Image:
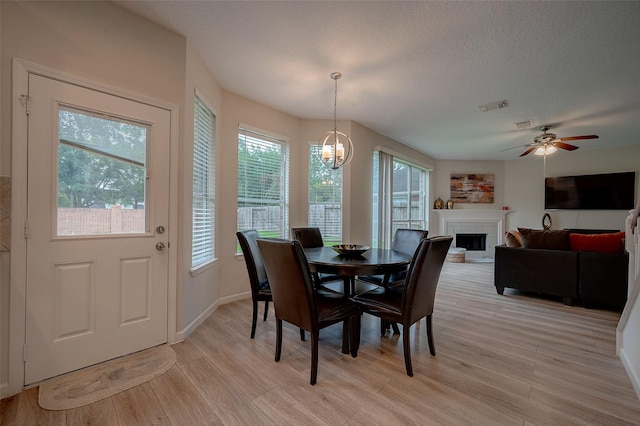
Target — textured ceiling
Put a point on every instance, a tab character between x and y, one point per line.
418	71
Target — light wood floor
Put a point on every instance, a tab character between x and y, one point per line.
501	360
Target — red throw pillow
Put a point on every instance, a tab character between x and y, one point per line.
601	243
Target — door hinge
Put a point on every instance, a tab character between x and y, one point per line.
27	231
25	100
24	352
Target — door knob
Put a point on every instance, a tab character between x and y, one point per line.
160	246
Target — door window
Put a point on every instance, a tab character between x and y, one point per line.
102	169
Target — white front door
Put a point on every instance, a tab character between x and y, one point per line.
98	208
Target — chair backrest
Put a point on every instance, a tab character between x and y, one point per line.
308	237
407	240
255	266
290	280
419	291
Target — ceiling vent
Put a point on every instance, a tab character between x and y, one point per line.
493	105
524	124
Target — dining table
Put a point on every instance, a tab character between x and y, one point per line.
375	261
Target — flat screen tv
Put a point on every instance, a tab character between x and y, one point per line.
609	191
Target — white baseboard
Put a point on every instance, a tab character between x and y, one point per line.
634	375
4	390
191	327
626	344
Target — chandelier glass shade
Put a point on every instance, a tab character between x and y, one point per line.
337	148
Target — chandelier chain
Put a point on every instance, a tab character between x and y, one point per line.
335	76
337	148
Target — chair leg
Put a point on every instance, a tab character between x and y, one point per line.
407	351
387	326
266	310
432	347
278	339
346	332
314	356
302	334
254	318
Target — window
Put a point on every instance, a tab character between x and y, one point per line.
263	183
203	209
102	164
400	194
325	198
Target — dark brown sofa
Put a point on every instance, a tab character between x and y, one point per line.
548	265
603	279
550	272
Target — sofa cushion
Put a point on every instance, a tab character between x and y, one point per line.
513	238
545	239
601	243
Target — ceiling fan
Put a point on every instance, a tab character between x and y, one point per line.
548	143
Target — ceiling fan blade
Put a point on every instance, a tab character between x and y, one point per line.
576	138
514	147
566	146
528	151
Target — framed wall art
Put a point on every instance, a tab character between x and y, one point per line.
472	188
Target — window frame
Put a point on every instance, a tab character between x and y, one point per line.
262	139
384	223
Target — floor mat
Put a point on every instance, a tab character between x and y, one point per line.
100	381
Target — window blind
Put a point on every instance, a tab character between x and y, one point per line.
325	197
263	183
203	209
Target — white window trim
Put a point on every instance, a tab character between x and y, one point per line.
196	270
408	159
285	142
385	183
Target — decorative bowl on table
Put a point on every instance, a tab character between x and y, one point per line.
350	250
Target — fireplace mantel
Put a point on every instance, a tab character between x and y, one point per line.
473	214
465	220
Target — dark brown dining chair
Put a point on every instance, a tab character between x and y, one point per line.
406	241
417	297
296	301
260	290
311	237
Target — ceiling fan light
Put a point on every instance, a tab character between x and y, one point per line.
545	150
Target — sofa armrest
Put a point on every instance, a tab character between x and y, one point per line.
603	278
552	272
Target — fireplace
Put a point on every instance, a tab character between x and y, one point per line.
472	242
473	226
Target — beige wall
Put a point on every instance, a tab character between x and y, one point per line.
524	187
236	110
361	191
101	42
442	175
97	41
198	291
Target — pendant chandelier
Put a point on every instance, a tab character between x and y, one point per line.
337	148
